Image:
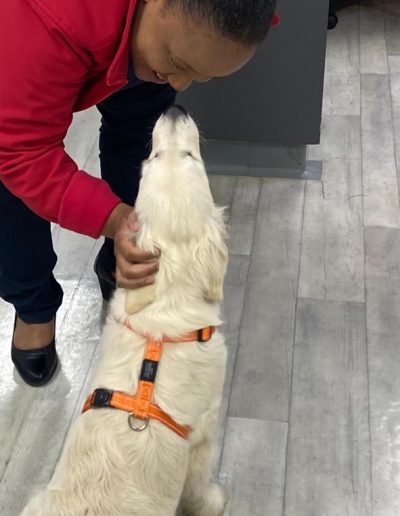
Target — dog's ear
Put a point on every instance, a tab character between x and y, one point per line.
137	299
210	259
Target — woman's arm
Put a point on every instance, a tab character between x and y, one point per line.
40	78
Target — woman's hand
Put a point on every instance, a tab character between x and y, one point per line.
135	268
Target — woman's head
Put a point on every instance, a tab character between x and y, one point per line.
243	21
180	41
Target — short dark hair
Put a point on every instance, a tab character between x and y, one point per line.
244	21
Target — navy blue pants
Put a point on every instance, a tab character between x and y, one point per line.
27	257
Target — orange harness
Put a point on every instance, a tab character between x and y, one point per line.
139	406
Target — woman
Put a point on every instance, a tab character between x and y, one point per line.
128	57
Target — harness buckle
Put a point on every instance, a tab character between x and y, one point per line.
101	398
204	335
132	419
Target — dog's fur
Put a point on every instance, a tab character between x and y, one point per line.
106	469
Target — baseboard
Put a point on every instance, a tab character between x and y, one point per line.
248	159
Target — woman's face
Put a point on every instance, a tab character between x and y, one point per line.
167	47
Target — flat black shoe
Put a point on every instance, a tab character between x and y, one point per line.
35	366
106	280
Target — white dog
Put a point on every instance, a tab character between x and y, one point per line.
107	468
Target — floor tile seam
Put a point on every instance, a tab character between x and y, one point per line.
365	270
290	387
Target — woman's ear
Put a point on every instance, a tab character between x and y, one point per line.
210	259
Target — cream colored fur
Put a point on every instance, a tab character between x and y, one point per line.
106	469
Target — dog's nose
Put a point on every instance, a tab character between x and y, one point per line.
176	111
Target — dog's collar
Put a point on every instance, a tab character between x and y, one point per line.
202	335
139	406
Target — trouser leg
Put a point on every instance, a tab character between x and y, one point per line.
27	260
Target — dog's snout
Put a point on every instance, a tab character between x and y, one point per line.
176	111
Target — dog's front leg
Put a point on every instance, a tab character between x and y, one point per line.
200	497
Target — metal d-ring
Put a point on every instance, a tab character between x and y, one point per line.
131	422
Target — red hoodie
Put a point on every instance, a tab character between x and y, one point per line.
58	57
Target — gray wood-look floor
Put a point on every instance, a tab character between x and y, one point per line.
310	420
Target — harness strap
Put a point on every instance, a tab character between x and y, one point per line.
104	398
140	405
202	335
147	378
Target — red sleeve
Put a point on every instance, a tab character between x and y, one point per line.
40	78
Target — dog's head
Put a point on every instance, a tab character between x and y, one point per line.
175	198
177	212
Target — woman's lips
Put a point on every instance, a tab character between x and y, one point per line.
157	78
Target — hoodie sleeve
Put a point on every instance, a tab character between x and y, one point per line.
40	79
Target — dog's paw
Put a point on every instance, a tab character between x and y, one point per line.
215	501
225	480
211	503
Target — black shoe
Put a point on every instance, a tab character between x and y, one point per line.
332	20
106	280
35	366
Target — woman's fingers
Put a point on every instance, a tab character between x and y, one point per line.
133	254
135	267
122	282
135	271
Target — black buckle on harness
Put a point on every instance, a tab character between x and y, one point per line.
203	336
101	398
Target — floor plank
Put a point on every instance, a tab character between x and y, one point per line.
394	67
234	293
328	464
223	191
342	90
382	249
373	57
381	199
244	215
254	461
340	138
392	26
332	255
261	382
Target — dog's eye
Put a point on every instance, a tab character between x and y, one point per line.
188	154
